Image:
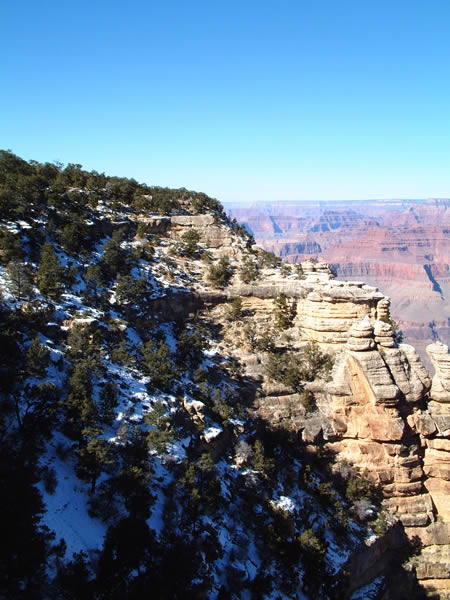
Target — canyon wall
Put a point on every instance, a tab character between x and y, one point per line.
401	247
380	412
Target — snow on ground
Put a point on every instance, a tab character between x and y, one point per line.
133	336
253	562
178	449
336	555
368	592
284	503
163	478
5	283
211	432
135	386
169	337
66	509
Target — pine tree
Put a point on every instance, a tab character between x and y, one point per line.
80	341
191	237
260	461
39	409
10	249
191	344
234	311
249	271
37	359
132	485
127	553
220	274
107	403
25	543
93	456
284	313
80	408
50	274
21	279
160	434
157	363
113	259
121	355
299	271
74	580
315	362
94	280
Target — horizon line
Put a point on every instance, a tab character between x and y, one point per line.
431	198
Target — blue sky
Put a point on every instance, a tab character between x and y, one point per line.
287	100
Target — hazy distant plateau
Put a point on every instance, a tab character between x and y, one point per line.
400	246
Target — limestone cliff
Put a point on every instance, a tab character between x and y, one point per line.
170	385
401	248
380	412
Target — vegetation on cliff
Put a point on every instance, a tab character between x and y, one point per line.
132	460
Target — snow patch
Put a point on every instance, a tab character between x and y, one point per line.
368	592
211	433
284	503
66	509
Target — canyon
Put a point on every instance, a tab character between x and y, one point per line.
400	246
378	411
180	401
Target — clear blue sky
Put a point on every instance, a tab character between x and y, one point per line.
305	99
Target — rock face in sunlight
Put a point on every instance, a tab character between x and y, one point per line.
402	247
191	416
379	412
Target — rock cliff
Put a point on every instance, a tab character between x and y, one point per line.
380	411
170	385
400	247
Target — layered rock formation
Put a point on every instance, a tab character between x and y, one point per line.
212	235
401	247
380	412
436	432
375	387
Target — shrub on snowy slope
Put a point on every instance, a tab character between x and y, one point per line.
141	418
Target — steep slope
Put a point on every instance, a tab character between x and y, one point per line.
374	414
127	443
190	418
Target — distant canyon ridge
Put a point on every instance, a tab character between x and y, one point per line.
400	246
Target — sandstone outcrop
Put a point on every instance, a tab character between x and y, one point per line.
327	314
380	411
366	405
437	435
440	358
400	247
213	236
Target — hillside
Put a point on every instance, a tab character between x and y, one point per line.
184	416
